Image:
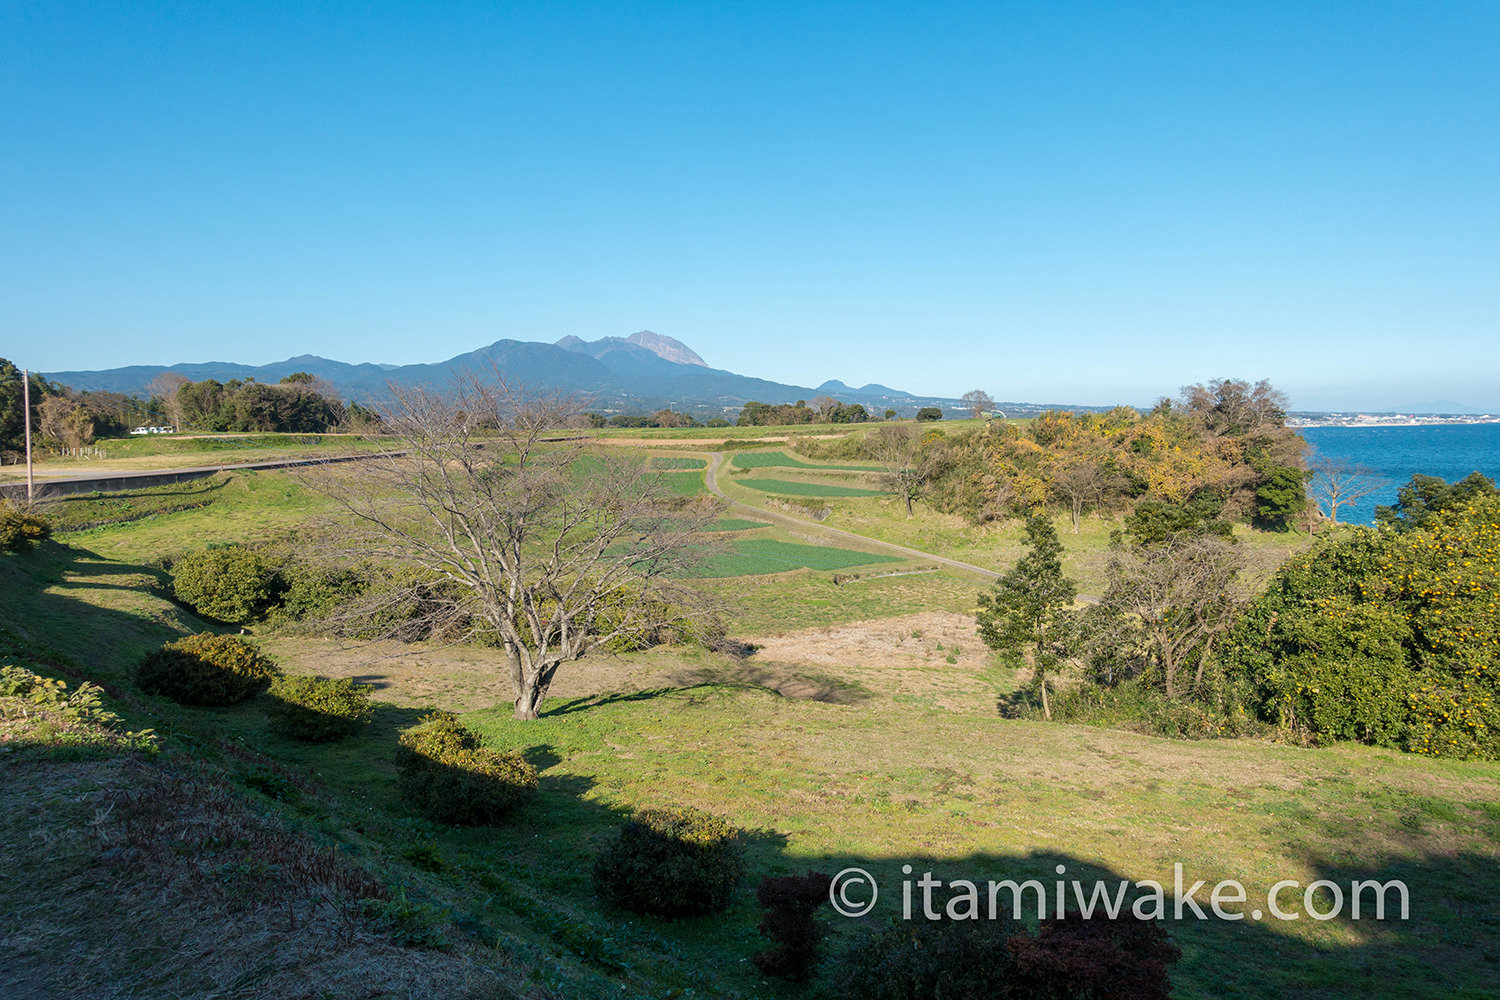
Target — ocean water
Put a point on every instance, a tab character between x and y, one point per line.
1451	451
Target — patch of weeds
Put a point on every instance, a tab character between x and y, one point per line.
409	922
425	856
270	784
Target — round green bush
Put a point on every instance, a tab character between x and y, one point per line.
446	771
317	709
21	527
205	669
671	863
228	583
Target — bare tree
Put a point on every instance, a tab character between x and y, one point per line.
978	402
165	387
550	548
1080	483
908	463
1179	594
1336	483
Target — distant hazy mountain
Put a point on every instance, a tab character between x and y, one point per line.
644	371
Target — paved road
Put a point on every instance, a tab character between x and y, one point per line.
711	478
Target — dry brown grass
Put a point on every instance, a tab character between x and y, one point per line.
137	878
933	657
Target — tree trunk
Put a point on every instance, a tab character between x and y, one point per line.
533	690
908	506
1046	707
528	706
1208	648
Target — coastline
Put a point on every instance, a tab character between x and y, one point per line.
1361	424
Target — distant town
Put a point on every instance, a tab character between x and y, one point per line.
1386	419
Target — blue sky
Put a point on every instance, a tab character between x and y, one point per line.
1085	202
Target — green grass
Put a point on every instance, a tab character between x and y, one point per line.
764	605
796	489
736	524
247	507
673	462
174	444
830	786
780	459
89	510
684	484
896	773
757	556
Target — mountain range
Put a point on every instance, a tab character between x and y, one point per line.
642	372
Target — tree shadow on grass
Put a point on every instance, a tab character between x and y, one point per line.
572	706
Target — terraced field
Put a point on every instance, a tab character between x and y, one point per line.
781	460
792	488
757	556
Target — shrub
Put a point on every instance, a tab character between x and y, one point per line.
205	669
671	863
85	703
1075	959
1067	959
1387	636
790	903
927	960
21	527
309	593
228	583
317	709
929	413
445	771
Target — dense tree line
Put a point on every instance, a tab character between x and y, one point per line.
299	404
661	418
61	417
825	410
1221	452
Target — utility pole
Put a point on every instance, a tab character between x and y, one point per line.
26	408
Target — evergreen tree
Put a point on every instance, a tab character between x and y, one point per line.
1023	611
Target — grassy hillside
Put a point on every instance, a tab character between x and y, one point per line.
863	733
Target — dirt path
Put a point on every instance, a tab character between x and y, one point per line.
711	479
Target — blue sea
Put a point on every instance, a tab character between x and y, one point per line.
1451	451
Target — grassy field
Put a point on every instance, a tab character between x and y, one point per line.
758	556
147	452
792	488
780	459
736	524
862	733
241	507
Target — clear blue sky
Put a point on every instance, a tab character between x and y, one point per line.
1084	202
